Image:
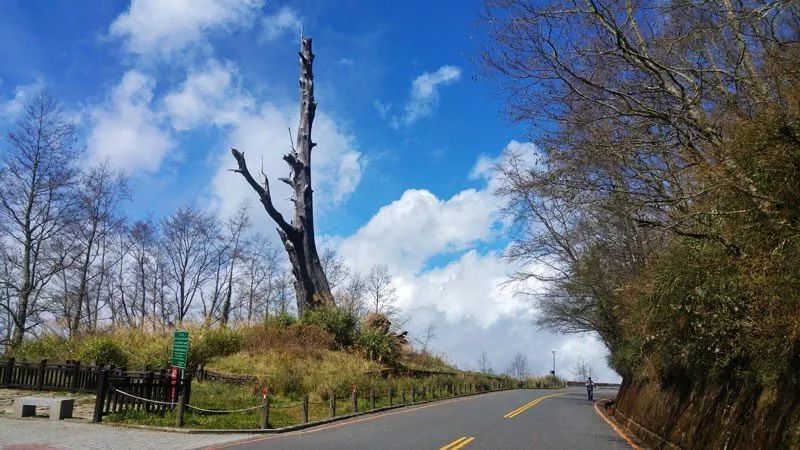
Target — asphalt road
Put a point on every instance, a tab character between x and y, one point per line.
562	419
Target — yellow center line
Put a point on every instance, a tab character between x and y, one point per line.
464	443
458	443
527	406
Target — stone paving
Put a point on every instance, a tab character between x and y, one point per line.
79	433
84	403
42	433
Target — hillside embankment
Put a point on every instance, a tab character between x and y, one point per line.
711	416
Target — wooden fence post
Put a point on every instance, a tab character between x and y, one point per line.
76	374
371	399
403	396
100	397
188	382
389	394
355	401
305	408
7	375
40	375
412	394
181	407
148	389
265	411
332	403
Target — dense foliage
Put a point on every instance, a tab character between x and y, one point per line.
662	204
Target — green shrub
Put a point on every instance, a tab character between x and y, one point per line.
152	355
342	324
103	350
211	342
47	346
283	319
378	346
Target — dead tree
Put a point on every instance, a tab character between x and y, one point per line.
310	285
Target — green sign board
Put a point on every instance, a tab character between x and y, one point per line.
180	349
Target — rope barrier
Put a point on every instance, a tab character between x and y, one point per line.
285	406
220	411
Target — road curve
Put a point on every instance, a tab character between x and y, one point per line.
518	419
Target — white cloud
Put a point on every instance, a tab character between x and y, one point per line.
286	20
407	232
126	131
208	95
263	135
468	298
12	108
425	94
160	28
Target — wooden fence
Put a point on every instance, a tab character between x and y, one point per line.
157	392
69	376
116	389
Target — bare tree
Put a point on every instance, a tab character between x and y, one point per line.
37	173
335	268
100	193
311	285
352	295
188	243
581	368
143	247
283	293
380	291
235	228
518	368
427	336
484	364
261	273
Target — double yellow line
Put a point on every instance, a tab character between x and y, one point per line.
458	443
527	406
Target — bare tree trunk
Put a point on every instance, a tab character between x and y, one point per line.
82	291
310	285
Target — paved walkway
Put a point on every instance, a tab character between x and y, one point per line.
41	433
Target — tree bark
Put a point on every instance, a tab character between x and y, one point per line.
310	285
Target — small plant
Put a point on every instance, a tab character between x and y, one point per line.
103	350
211	342
49	346
342	324
283	319
378	346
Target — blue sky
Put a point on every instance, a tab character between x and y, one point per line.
406	129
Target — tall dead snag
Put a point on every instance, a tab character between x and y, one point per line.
311	284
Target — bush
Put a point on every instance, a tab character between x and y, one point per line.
103	350
342	324
152	355
378	346
49	346
283	319
207	343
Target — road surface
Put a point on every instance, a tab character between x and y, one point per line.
519	419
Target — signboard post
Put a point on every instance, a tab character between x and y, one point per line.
180	354
180	349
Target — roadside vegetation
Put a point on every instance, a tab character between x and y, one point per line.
327	352
661	203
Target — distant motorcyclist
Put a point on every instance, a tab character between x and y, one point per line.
590	388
